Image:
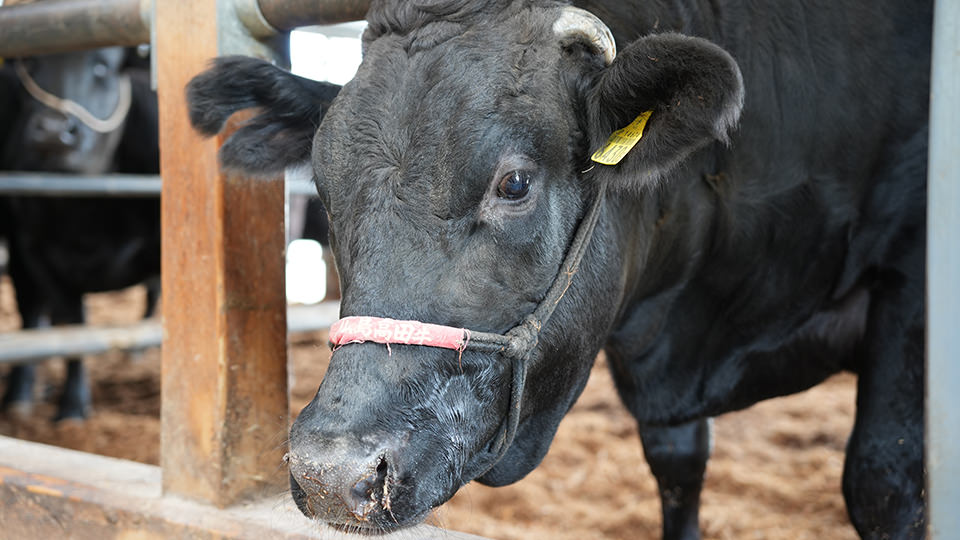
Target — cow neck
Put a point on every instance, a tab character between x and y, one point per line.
516	344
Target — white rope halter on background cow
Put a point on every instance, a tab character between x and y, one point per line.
70	107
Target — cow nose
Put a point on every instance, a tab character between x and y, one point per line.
51	128
346	491
69	131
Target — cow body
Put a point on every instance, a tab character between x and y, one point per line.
766	232
62	248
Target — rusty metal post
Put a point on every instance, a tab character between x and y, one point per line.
53	26
224	378
289	14
60	25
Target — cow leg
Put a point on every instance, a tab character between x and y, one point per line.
883	477
18	395
75	400
677	457
153	297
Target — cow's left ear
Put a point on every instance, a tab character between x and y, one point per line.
693	89
281	134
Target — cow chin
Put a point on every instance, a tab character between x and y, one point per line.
375	521
528	449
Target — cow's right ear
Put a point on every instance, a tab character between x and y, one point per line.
693	90
281	134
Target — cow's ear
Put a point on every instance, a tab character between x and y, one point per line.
693	89
281	134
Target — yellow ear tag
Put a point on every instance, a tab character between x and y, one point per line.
622	141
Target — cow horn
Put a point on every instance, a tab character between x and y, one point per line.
581	24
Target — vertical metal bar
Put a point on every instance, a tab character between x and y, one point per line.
224	410
943	277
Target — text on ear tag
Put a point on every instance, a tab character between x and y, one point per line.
621	141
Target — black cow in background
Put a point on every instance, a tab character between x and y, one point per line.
9	108
61	248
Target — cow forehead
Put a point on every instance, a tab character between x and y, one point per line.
471	95
439	118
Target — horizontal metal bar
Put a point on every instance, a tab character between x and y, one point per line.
62	25
290	14
38	344
68	185
320	316
54	26
111	185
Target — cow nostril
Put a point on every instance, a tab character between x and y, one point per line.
68	135
370	491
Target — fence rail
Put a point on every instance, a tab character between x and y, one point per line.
109	185
55	26
42	343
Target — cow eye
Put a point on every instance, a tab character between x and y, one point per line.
514	185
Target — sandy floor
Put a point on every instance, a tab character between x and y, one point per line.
775	471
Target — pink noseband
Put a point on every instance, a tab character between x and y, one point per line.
379	330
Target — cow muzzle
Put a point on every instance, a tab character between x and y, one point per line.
351	486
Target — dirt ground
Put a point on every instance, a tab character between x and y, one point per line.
775	471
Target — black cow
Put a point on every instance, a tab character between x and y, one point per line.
765	232
61	248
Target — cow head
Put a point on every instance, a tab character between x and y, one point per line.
455	168
72	109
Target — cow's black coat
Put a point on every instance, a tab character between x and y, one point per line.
766	233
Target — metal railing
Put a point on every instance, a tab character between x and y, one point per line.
943	278
106	185
39	344
53	26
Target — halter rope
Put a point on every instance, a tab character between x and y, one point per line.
70	107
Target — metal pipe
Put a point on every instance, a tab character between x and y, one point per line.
112	185
61	25
54	26
290	14
38	344
65	185
34	345
943	277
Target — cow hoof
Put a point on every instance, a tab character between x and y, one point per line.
19	410
75	412
71	418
